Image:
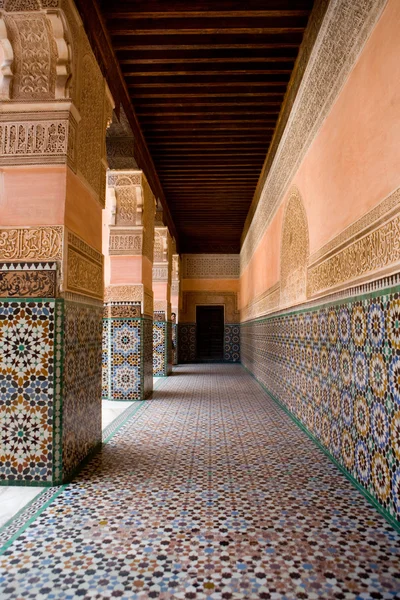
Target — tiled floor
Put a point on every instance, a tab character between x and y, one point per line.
13	499
207	491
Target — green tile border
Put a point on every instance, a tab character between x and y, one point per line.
371	499
380	291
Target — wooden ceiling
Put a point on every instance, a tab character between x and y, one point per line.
207	79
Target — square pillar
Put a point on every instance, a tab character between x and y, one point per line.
175	303
162	327
128	310
53	118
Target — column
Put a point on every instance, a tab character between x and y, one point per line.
175	302
162	326
54	111
128	308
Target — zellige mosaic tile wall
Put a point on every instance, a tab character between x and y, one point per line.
162	348
27	391
82	382
337	369
187	342
127	362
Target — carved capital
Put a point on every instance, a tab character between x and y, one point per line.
126	241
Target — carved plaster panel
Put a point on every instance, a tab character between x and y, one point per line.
31	243
191	299
127	187
84	268
38	138
120	293
160	272
161	244
176	267
211	266
294	250
343	33
262	305
376	253
126	241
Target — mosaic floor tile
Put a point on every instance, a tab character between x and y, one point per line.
207	491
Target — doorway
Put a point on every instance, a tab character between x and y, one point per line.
210	333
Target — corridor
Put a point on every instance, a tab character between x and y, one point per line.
209	490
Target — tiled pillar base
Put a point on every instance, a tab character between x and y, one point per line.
174	335
127	353
162	348
50	400
187	343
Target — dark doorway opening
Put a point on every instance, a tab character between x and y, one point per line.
210	333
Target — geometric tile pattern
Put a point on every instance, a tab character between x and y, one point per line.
187	342
127	358
81	419
27	365
105	360
174	343
162	348
337	369
159	348
147	353
125	341
232	343
209	491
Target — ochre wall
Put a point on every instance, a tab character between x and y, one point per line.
353	162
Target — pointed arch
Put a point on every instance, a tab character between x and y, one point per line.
295	250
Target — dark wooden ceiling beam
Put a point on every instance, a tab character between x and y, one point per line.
208	78
161	7
229	60
177	49
228	39
209	14
202	69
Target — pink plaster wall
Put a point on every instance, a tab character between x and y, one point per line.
32	195
353	163
263	270
83	212
126	269
161	291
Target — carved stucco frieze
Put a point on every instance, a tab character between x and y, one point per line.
377	251
37	139
126	189
31	243
126	241
33	284
161	244
120	293
176	274
84	268
160	272
211	266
